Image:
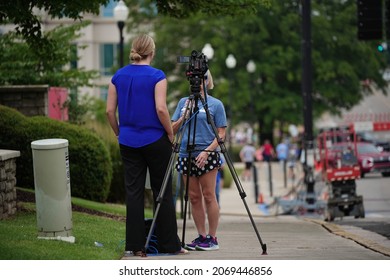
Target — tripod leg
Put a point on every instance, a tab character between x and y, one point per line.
176	148
185	213
159	199
242	195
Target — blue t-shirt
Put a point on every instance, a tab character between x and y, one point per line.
139	124
204	134
282	151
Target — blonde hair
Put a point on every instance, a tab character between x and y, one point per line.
143	45
209	80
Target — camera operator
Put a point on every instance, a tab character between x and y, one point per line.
138	91
205	162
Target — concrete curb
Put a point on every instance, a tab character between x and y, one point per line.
335	229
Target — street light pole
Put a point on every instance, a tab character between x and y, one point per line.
251	68
121	24
307	96
120	14
231	64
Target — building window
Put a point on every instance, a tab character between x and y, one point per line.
108	9
103	93
108	53
74	57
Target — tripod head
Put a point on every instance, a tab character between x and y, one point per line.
196	69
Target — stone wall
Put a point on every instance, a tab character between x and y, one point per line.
29	100
8	183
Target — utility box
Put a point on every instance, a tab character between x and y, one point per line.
52	189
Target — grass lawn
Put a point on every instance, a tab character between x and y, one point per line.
19	239
18	235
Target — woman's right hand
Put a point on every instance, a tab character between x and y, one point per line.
171	137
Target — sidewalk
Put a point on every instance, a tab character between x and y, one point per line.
287	237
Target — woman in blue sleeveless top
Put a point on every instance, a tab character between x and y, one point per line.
138	92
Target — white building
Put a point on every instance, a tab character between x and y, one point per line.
101	39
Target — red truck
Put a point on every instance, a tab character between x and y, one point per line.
339	164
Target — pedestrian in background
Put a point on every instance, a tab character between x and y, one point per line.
138	92
282	152
268	151
248	156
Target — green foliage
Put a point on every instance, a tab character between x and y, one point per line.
235	153
23	64
79	108
90	163
28	22
117	190
180	9
101	127
271	37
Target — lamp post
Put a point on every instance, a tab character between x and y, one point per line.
307	100
208	51
120	14
251	68
231	64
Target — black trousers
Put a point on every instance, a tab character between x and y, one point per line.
156	157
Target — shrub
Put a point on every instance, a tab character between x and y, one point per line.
90	162
117	190
102	128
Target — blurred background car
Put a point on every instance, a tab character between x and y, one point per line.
381	139
370	158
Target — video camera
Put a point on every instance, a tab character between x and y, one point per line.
196	69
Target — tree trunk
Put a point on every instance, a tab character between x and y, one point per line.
265	132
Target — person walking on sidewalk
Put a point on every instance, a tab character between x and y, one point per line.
282	152
247	155
205	161
268	151
138	92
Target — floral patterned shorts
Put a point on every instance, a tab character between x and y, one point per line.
213	161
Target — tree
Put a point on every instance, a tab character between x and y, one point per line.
182	9
272	38
24	14
22	65
268	33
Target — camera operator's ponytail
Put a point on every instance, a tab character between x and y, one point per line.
209	80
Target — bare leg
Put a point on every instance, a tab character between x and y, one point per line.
207	182
198	208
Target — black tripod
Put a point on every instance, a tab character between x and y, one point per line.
190	113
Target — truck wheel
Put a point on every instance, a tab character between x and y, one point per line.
361	212
329	215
